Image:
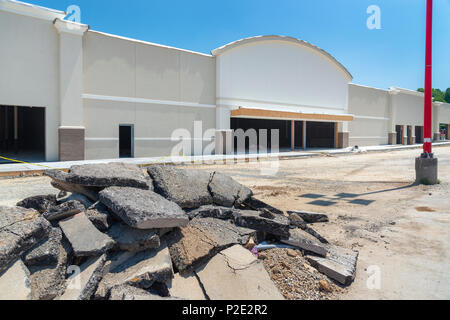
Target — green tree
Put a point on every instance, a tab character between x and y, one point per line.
447	95
438	95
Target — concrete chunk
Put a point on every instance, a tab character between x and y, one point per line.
64	210
15	283
135	240
143	209
84	238
277	225
305	241
201	239
20	230
340	264
82	285
310	217
187	188
186	287
235	274
139	270
38	203
226	191
108	175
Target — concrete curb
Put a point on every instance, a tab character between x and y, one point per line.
30	170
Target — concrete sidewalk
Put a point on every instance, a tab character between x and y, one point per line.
27	169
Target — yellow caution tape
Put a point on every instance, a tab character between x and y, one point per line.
34	164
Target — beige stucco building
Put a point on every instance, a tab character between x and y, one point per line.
71	93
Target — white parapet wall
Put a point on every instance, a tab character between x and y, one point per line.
157	89
29	64
370	107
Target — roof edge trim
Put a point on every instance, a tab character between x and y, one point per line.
31	10
223	49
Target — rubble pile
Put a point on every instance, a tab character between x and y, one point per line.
119	232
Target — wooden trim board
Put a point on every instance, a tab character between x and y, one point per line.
260	113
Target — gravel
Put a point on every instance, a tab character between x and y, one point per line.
295	277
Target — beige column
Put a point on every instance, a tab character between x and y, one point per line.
412	136
16	129
71	130
304	135
436	123
404	134
2	126
224	135
392	133
343	135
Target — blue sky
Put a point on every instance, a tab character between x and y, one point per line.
392	56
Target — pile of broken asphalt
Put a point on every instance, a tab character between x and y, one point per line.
119	232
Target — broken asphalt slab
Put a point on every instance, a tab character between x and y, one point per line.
85	239
226	191
236	274
49	281
83	283
303	240
39	203
201	239
212	211
64	210
187	188
134	240
20	230
310	217
140	270
76	197
108	175
100	217
277	225
129	293
59	181
46	252
143	209
191	189
339	264
258	205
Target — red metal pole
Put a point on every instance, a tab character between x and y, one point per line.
427	146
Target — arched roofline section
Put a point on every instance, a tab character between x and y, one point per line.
238	43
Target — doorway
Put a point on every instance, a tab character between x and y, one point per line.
399	130
419	134
126	141
22	133
320	134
